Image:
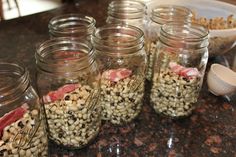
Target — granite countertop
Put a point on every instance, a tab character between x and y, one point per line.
209	132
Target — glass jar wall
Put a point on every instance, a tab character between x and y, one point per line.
68	82
157	16
120	50
179	68
72	25
22	129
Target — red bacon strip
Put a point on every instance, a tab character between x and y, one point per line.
116	75
12	117
59	94
183	71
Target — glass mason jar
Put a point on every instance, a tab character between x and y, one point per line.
120	50
22	129
127	12
72	25
68	82
179	68
157	16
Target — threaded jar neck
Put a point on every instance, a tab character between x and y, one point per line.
184	35
118	39
126	9
14	81
71	25
162	14
64	55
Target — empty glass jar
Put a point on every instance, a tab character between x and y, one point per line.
72	25
122	61
68	82
157	16
179	68
22	126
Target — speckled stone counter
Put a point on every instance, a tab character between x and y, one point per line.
209	132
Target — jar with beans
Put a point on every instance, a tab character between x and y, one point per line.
157	16
72	25
22	124
179	68
127	12
68	82
122	61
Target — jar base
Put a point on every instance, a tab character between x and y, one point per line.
173	117
68	148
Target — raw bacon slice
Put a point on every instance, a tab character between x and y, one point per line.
176	68
68	88
189	72
12	117
183	71
59	94
116	75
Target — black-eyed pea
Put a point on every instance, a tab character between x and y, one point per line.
53	108
73	107
34	149
12	130
28	153
26	115
22	152
34	112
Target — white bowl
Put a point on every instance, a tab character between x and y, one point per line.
221	80
220	40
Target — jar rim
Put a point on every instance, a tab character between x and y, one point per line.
14	80
64	51
73	23
129	3
126	9
121	28
63	40
118	37
192	32
167	13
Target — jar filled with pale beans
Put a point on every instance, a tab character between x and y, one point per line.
122	62
179	67
22	124
68	82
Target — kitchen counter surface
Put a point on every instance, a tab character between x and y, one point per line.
209	132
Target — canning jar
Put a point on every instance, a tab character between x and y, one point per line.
157	16
122	61
179	68
68	82
127	12
72	25
22	129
